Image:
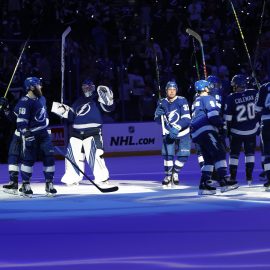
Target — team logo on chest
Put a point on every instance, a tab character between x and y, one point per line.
40	115
173	117
83	109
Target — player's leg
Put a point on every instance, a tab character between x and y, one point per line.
182	153
93	148
266	152
249	148
235	148
74	152
168	151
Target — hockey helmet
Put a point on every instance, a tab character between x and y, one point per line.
200	85
214	82
171	84
31	81
88	87
239	81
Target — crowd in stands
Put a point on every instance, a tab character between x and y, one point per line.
116	43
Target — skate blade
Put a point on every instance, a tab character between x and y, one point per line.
207	192
26	195
12	192
48	194
228	188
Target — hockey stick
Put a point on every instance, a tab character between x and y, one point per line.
245	44
159	89
259	35
103	190
198	37
15	69
196	61
63	45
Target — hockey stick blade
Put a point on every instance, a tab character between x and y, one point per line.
195	35
103	190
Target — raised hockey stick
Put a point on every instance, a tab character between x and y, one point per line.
198	37
63	45
103	190
159	89
15	69
245	44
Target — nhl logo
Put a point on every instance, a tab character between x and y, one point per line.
131	129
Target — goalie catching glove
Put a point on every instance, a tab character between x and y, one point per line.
60	109
105	95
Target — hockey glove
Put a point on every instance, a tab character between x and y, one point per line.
173	132
105	95
159	111
28	138
4	104
60	109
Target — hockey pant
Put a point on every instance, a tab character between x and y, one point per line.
42	146
78	150
249	143
180	148
214	155
14	157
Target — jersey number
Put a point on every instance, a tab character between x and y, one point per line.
245	112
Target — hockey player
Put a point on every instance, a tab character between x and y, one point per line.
205	126
176	139
14	152
215	90
242	125
262	107
86	134
32	123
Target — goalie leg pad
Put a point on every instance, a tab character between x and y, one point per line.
93	152
74	152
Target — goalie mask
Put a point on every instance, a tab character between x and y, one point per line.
88	87
33	84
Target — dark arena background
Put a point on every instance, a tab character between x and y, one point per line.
135	48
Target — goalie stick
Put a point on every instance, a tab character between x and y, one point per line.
198	37
103	190
63	45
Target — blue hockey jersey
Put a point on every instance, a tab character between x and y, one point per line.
262	104
239	113
177	115
85	113
31	114
205	116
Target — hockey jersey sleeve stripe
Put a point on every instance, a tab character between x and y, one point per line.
258	108
228	117
203	129
186	116
22	120
212	113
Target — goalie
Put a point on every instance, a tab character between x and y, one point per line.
86	136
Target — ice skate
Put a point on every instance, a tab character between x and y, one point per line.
205	189
267	185
166	183
262	176
228	184
11	188
50	190
25	190
175	178
213	183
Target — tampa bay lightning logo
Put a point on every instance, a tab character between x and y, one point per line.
173	117
40	115
83	109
